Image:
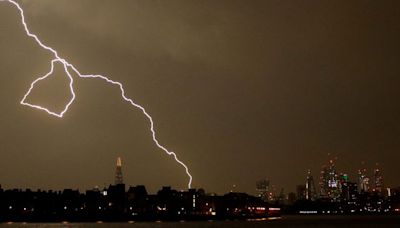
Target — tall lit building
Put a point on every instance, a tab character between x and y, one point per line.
378	180
118	172
329	182
311	193
262	187
363	181
323	182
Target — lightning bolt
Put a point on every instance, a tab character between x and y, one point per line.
69	70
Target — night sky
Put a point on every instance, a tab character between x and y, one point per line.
240	90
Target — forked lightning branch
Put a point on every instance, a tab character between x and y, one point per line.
70	70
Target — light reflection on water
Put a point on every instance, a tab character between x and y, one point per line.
286	221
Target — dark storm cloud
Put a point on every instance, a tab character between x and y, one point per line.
240	90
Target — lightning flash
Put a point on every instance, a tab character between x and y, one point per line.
70	70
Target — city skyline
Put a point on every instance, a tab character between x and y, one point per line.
240	91
366	180
119	202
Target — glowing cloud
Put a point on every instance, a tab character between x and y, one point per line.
69	69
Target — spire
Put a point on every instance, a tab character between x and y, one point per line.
118	172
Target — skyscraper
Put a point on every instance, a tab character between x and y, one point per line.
118	172
329	182
363	180
378	180
311	193
323	182
262	187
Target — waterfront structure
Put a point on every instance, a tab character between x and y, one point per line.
115	204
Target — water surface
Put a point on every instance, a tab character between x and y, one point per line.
286	221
